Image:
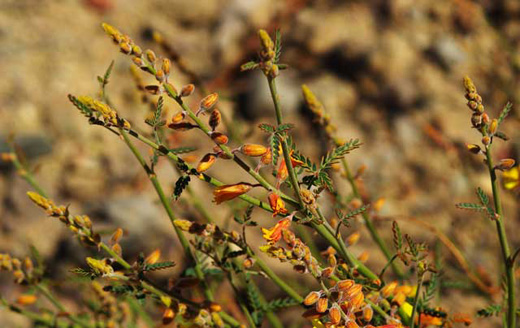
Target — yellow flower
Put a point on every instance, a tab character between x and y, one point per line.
512	178
228	192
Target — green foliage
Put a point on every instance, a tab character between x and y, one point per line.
158	266
280	303
505	112
493	310
398	237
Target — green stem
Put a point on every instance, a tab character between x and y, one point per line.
166	204
285	148
47	293
416	300
368	221
26	174
504	244
35	317
277	280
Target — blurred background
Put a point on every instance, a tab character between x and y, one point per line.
388	72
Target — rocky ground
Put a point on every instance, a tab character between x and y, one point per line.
388	72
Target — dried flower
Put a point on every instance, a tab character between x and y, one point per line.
206	162
214	119
228	192
219	138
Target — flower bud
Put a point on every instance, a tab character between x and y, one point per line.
209	101
160	75
505	164
486	140
335	314
187	90
125	48
26	299
485	118
136	51
150	56
184	225
353	238
344	284
322	305
179	117
166	66
476	120
493	126
138	62
248	262
253	150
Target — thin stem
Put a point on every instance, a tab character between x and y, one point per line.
47	293
26	174
277	280
416	300
504	244
166	204
368	221
285	148
35	317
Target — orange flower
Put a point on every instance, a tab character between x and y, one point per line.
253	150
228	192
277	204
275	233
427	319
282	170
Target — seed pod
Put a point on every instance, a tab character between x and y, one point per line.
505	164
166	66
182	126
214	119
150	56
206	162
153	89
253	150
168	316
187	90
219	138
335	314
322	305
